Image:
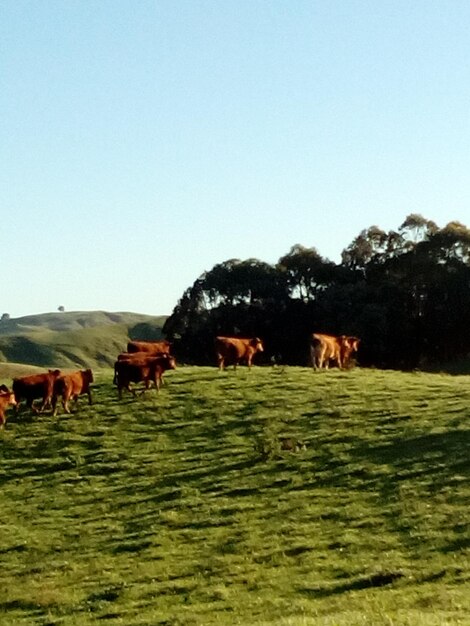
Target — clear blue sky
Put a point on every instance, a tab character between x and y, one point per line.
142	141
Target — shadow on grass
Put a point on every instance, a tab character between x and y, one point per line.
22	605
427	464
379	579
437	456
403	452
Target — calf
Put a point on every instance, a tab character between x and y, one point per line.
33	387
70	386
7	398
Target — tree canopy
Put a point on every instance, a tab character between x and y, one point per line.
406	293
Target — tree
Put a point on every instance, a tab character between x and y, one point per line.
416	228
372	245
306	272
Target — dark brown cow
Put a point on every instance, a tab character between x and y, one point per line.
36	386
235	350
139	357
145	370
325	349
70	386
153	347
7	398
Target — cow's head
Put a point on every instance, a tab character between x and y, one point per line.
10	398
257	344
353	343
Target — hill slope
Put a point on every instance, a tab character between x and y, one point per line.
73	339
180	507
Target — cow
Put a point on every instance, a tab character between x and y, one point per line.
33	387
152	347
325	349
70	386
236	349
152	368
349	347
139	356
7	398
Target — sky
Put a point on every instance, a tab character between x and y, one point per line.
144	141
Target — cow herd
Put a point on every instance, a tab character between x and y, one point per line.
147	361
48	387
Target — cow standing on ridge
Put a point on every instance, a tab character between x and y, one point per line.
328	348
233	350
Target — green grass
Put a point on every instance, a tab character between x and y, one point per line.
161	510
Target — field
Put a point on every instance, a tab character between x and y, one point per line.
182	508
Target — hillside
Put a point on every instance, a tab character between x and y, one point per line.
181	507
73	339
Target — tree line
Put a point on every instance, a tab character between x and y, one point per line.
405	293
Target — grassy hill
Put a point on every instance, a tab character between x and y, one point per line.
75	339
181	508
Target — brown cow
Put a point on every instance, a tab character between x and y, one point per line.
141	357
328	348
153	347
7	398
70	386
349	347
235	349
145	370
36	386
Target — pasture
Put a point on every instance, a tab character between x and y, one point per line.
182	509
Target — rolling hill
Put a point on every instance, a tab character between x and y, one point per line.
73	339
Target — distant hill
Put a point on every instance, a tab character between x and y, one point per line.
73	339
